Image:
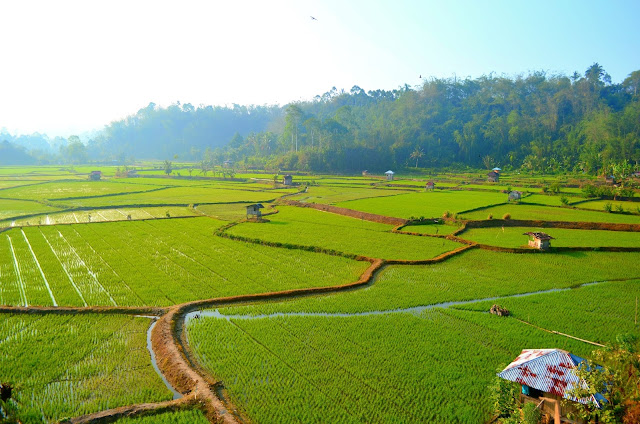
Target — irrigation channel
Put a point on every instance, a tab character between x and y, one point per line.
154	362
415	310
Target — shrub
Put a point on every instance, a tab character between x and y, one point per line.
490	216
447	214
607	206
531	414
506	216
564	200
589	190
619	208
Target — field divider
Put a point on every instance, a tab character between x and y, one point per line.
382	219
130	411
572	225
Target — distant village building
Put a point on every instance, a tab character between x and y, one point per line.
389	175
132	173
493	177
515	196
636	174
610	179
538	240
287	180
227	163
254	212
365	173
430	186
95	175
547	376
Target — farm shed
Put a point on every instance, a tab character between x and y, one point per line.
253	211
227	163
547	376
365	173
389	175
430	186
287	180
515	196
95	175
539	240
493	177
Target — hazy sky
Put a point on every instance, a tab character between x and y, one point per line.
71	66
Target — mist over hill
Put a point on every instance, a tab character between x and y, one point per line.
538	122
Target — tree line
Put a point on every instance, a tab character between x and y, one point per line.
537	122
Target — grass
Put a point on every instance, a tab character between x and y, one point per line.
433	367
426	204
547	213
475	274
13	208
598	205
132	263
513	237
193	416
430	229
66	189
335	194
64	366
598	312
311	227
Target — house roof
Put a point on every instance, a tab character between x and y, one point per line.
551	371
538	235
493	173
496	169
389	172
256	205
430	183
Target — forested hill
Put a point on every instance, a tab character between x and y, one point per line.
539	122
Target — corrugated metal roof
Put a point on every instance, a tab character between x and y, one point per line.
549	370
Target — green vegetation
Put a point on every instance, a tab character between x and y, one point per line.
430	229
548	213
310	227
63	365
475	274
179	417
428	205
130	263
382	368
513	237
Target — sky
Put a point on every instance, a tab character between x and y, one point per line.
67	67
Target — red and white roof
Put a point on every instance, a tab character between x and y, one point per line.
549	370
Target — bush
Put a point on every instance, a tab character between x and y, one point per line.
531	414
490	216
447	214
506	216
564	200
619	208
607	206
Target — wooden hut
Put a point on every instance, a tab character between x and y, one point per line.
389	175
429	186
538	240
515	196
254	212
493	177
287	180
95	175
547	378
365	173
227	163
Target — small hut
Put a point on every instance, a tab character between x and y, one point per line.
365	173
515	196
547	377
389	175
429	186
227	163
95	175
610	179
132	173
539	240
287	180
253	211
493	177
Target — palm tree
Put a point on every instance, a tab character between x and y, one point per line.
417	154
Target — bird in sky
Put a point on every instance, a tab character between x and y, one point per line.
313	19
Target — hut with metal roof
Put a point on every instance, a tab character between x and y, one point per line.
548	376
287	180
539	240
95	175
389	175
430	186
493	176
515	196
254	212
